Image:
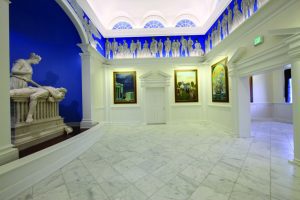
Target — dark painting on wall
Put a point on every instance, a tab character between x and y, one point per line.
124	87
219	81
186	86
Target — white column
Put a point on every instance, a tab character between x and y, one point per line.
86	60
296	108
294	54
240	105
7	152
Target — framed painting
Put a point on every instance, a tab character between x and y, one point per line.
219	81
186	86
124	87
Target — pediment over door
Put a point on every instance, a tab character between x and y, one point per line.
155	79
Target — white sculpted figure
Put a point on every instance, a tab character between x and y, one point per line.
160	48
146	51
207	45
190	45
177	45
198	49
153	48
168	47
120	51
183	49
218	32
21	75
229	18
260	3
107	49
251	6
245	8
224	26
133	49
114	47
126	49
237	16
138	48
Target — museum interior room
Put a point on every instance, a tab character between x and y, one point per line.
150	100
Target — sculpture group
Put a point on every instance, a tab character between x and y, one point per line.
231	21
155	49
34	109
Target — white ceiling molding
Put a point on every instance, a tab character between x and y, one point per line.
103	13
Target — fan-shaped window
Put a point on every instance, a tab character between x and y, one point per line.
154	24
122	25
185	23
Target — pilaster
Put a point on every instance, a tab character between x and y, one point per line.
294	54
7	152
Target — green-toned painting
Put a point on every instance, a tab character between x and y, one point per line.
219	81
124	87
186	86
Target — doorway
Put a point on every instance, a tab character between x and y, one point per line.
155	105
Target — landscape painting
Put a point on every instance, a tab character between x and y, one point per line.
124	87
219	81
186	86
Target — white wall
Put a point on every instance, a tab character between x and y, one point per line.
134	113
268	97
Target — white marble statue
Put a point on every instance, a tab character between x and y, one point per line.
251	6
114	47
190	44
229	19
260	3
207	45
183	50
126	50
237	16
177	48
167	44
146	51
133	49
160	47
224	26
198	49
120	53
219	31
107	49
173	46
245	8
138	48
21	75
153	47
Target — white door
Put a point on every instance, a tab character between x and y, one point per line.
155	105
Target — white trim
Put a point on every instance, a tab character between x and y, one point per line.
74	18
21	174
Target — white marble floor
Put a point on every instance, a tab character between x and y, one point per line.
178	162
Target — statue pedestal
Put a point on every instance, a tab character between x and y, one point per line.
47	123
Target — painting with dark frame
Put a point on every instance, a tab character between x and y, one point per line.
219	81
186	86
124	87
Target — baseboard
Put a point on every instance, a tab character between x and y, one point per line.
19	175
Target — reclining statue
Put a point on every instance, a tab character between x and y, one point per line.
21	75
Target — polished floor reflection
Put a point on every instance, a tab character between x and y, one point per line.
178	162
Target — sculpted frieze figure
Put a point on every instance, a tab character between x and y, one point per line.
167	46
237	16
190	46
107	49
160	46
183	49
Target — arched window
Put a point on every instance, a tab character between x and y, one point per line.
122	25
154	24
185	23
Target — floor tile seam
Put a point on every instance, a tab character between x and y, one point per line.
240	169
62	174
93	177
270	164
